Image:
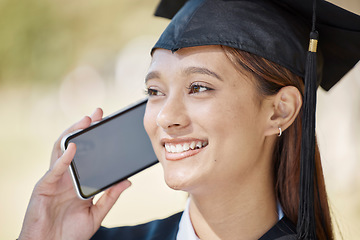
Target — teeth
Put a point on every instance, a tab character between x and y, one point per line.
178	148
186	146
168	148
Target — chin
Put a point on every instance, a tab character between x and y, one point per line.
175	186
183	174
178	180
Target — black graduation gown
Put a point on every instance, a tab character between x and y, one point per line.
166	229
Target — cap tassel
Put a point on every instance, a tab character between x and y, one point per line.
306	225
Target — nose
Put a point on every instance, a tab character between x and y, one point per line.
173	115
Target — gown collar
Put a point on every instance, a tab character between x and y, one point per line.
186	229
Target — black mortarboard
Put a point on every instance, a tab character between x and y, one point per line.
277	30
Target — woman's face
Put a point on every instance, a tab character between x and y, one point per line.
205	120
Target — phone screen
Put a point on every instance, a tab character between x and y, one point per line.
110	151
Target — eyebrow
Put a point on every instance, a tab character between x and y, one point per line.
187	71
201	70
151	75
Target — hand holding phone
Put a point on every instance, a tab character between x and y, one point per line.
110	151
54	205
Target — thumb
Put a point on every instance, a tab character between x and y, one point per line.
107	200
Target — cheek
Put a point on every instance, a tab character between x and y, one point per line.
150	121
236	145
235	128
228	117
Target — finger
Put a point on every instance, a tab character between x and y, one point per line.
96	115
107	200
62	164
83	123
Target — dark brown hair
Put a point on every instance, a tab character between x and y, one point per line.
269	79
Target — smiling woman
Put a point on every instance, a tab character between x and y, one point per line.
236	140
231	117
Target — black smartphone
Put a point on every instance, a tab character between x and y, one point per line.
110	151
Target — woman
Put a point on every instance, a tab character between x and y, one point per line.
227	77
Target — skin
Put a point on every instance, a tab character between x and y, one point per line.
55	211
197	94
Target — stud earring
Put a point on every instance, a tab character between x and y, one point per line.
280	132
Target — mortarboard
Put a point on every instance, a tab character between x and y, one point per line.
277	30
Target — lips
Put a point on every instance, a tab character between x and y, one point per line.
183	147
179	149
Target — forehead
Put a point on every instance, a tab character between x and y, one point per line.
212	57
201	60
198	51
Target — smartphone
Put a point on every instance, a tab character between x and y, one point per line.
110	151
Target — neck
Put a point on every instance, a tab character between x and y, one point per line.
244	208
239	216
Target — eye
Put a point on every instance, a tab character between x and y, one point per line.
197	88
153	92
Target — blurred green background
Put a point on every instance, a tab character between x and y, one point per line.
59	60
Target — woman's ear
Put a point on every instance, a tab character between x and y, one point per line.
286	107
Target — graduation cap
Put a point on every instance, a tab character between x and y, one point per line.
277	30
